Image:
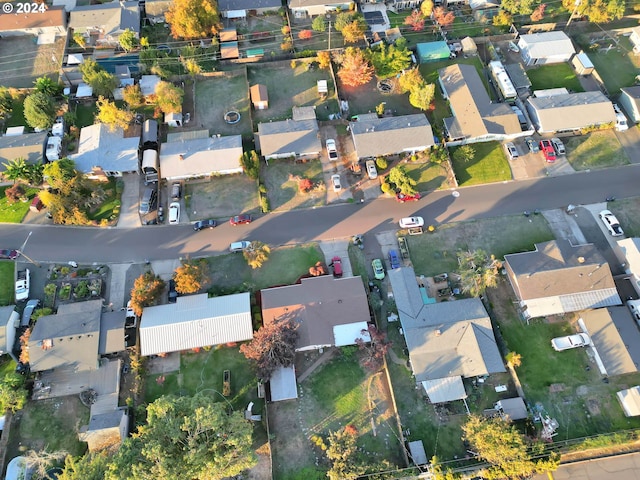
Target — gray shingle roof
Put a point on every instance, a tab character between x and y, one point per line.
29	146
299	137
113	17
226	5
70	338
112	333
572	111
389	135
98	147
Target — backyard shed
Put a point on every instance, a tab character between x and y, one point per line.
283	384
259	96
512	408
469	46
432	51
545	47
630	401
418	455
582	64
229	50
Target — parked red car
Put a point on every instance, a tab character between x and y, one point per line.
401	197
240	220
336	263
548	151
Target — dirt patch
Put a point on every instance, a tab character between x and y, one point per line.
222	197
594	406
556	387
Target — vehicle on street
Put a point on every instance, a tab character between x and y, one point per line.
239	246
570	341
532	144
28	311
411	222
174	213
558	146
548	151
611	222
23	279
621	120
332	151
240	220
512	151
401	197
9	254
176	192
394	259
202	224
335	182
378	269
172	296
336	264
372	171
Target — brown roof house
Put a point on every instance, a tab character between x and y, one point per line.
475	117
558	277
330	311
447	341
259	97
52	21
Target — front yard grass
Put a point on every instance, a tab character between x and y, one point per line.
15	212
489	165
282	187
430	176
7	269
292	87
230	273
599	149
435	253
626	211
554	76
221	196
17	112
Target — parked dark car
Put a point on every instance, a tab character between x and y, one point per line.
9	254
240	220
173	294
394	259
202	224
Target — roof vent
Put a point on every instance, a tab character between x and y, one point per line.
580	259
438	333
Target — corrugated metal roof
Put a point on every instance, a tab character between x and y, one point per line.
630	401
188	135
195	321
447	389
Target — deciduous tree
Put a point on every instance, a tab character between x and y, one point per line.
423	96
410	80
80	39
415	21
305	34
14	193
92	466
354	31
132	95
342	452
318	24
502	19
112	116
478	271
324	59
6	103
193	18
443	16
256	254
514	360
403	182
61	175
374	348
146	290
464	154
518	7
391	60
538	13
169	97
128	40
189	438
355	70
250	162
343	19
192	276
47	86
598	11
426	8
13	395
273	346
39	110
102	82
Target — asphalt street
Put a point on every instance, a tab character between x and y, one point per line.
622	467
104	245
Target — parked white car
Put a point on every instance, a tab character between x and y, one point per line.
174	213
611	222
335	183
411	222
239	246
332	151
570	341
621	120
23	280
372	171
558	146
512	151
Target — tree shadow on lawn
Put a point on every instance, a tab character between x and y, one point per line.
365	99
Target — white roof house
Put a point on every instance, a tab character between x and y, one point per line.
200	157
545	47
102	152
195	321
148	84
9	319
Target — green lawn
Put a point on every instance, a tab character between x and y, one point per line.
626	210
222	196
596	150
489	165
618	68
110	207
230	273
85	114
282	187
554	76
7	269
435	253
17	113
14	213
430	176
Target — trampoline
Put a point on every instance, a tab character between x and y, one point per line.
232	117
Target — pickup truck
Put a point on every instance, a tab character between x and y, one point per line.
22	285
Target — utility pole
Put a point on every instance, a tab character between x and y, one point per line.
329	36
21	252
575	10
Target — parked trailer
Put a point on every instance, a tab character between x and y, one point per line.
502	81
150	166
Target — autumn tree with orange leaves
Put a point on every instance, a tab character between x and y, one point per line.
355	70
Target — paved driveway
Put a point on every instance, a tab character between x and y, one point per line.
533	165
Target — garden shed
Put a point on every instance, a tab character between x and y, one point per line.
630	401
469	46
259	96
283	384
418	455
432	51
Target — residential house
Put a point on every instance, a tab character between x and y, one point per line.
52	22
9	319
475	117
68	339
312	8
634	38
239	9
29	146
545	47
447	341
330	312
616	339
630	248
259	96
105	430
433	51
200	157
154	10
629	100
103	153
102	24
373	136
558	277
570	112
289	138
195	321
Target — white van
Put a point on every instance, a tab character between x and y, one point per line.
621	120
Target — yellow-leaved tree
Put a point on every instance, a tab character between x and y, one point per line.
193	18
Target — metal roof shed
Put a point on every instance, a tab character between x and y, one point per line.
513	408
283	384
432	51
418	455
